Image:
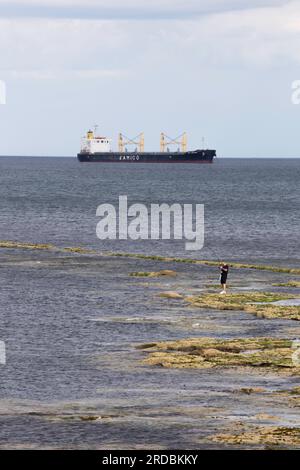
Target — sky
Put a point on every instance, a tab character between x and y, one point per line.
221	70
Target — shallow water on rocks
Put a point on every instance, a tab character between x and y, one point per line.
75	379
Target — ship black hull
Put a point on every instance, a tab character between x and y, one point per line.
197	156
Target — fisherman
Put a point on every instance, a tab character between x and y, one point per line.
223	277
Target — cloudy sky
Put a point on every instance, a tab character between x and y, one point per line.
218	69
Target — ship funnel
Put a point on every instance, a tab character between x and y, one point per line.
90	135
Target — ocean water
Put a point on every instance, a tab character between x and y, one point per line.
71	322
251	205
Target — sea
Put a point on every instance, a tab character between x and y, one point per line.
72	322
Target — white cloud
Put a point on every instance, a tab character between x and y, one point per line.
263	37
53	48
60	44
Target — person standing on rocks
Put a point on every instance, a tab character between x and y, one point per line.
224	268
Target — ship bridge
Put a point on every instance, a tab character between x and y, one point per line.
92	143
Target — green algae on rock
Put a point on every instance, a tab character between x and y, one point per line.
235	301
24	245
171	295
79	250
40	246
165	272
251	390
257	303
261	267
288	284
262	435
205	353
275	311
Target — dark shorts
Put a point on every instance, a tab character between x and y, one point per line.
223	278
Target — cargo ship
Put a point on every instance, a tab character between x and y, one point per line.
96	148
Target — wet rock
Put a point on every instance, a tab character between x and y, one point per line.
266	417
275	311
265	436
146	346
89	418
79	250
293	391
266	353
250	390
260	267
288	284
257	303
171	295
211	353
165	272
76	417
24	245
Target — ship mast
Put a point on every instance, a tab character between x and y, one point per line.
181	140
139	140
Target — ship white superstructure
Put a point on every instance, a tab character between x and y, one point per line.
95	144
